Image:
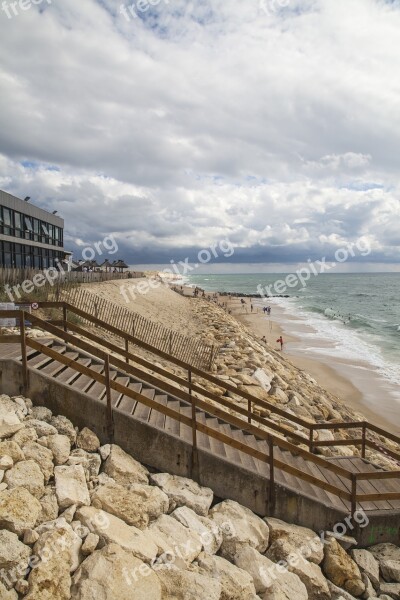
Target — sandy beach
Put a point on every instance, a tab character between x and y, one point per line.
358	388
350	384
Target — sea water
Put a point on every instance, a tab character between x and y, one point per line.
358	314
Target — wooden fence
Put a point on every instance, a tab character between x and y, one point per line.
188	349
12	276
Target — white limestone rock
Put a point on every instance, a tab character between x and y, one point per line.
71	487
11	449
64	426
90	462
297	537
25	435
341	569
388	557
6	463
49	506
42	456
90	544
88	440
51	577
170	535
14	557
209	532
239	527
41	413
19	510
27	474
188	585
184	492
368	564
60	446
123	468
7	594
10	423
112	530
41	427
114	574
236	583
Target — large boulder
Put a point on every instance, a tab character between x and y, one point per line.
27	474
188	585
236	584
173	538
112	530
57	551
210	534
122	503
184	492
10	423
388	557
299	539
41	427
64	426
88	440
367	564
25	435
60	446
153	498
341	569
123	468
19	510
239	527
114	574
42	456
14	558
41	413
11	448
71	487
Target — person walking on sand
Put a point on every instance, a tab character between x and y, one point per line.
280	341
264	339
251	307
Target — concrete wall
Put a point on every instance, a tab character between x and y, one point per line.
164	452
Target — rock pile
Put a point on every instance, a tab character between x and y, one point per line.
82	521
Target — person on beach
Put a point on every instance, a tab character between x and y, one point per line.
280	341
264	339
251	307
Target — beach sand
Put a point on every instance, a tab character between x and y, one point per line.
350	382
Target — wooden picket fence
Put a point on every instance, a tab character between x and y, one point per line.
188	349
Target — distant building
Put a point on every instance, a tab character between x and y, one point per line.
30	237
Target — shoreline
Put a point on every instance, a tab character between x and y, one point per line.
352	383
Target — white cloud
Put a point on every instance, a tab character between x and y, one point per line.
280	129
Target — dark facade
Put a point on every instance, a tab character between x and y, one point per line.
30	237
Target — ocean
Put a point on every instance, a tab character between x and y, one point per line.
359	314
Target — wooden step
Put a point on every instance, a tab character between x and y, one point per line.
203	440
216	446
247	460
185	431
231	453
172	425
157	418
117	396
127	404
251	441
142	411
86	387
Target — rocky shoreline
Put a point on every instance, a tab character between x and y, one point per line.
80	521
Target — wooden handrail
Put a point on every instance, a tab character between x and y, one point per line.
198	403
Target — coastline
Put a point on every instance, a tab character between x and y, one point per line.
352	383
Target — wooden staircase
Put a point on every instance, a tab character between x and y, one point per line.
249	449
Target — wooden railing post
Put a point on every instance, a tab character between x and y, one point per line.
65	317
194	424
249	409
353	493
311	441
23	351
110	427
271	494
364	439
127	349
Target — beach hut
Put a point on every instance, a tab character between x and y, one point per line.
120	265
106	266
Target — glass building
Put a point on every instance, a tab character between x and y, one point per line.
30	237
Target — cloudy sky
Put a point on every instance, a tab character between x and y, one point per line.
273	123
